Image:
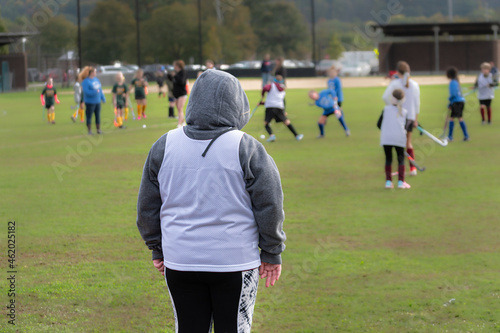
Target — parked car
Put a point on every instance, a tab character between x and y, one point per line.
150	71
112	69
355	69
324	65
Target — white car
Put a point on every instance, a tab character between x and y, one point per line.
355	69
113	69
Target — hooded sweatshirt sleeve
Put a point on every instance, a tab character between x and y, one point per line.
264	186
149	199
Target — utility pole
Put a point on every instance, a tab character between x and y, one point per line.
450	10
200	41
313	31
138	33
79	35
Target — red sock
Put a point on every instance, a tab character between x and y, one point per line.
412	154
401	172
388	173
482	112
489	114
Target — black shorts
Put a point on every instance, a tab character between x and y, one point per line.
485	102
409	125
457	110
275	113
120	106
49	105
340	104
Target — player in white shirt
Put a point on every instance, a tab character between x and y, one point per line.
485	85
275	107
411	90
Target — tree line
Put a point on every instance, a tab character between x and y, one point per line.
232	30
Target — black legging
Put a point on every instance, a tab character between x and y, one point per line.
199	297
93	109
400	151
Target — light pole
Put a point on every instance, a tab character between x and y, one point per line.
313	32
138	33
200	42
79	35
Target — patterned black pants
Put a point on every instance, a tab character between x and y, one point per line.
202	298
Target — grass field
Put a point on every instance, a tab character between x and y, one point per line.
359	258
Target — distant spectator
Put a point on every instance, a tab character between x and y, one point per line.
494	71
179	89
92	96
209	64
266	69
279	68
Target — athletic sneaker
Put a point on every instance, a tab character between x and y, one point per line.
450	139
90	133
413	172
272	138
388	184
299	137
99	131
320	137
347	133
72	118
402	184
483	122
138	117
144	115
466	138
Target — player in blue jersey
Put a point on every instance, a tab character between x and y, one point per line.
456	105
327	100
335	84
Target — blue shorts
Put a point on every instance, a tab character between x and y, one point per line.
330	111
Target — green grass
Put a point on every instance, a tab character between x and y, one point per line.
359	258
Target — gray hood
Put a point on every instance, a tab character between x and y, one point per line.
217	101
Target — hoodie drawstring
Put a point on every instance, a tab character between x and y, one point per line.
215	138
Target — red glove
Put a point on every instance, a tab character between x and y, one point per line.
57	100
42	99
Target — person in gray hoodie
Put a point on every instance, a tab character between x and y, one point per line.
210	198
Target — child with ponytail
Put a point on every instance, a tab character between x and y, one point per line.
456	105
393	135
411	90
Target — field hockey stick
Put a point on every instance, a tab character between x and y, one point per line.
253	111
443	143
412	162
446	122
470	92
131	108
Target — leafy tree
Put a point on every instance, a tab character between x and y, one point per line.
335	47
281	30
110	34
177	29
58	34
3	28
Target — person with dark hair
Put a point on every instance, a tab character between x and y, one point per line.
179	89
93	96
457	103
279	68
140	85
160	80
266	68
411	90
210	208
